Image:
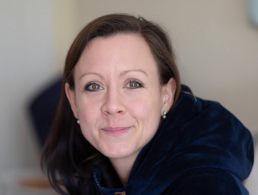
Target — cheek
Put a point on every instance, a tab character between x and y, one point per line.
88	116
146	110
87	107
145	103
88	113
148	118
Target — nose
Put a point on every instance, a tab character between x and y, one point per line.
112	104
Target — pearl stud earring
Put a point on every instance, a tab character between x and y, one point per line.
164	115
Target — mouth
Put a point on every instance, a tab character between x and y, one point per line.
115	131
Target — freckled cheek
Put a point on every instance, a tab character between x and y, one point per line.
89	122
140	108
146	111
147	116
88	112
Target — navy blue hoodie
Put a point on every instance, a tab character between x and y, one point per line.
200	148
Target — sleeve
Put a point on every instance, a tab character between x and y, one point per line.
207	182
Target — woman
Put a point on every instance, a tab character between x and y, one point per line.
125	126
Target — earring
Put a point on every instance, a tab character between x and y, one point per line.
164	115
78	122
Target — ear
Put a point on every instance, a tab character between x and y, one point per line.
168	94
70	94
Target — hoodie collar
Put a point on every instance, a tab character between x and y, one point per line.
196	134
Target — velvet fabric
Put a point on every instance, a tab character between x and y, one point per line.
200	148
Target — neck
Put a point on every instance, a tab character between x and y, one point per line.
123	168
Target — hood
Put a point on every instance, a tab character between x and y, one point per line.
196	134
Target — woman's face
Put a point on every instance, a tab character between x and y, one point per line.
118	98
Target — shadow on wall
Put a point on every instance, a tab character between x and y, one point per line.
42	109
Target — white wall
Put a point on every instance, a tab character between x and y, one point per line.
26	62
35	36
216	49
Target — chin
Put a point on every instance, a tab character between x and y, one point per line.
119	152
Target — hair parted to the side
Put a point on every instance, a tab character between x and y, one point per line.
67	155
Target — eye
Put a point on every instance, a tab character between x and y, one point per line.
133	84
92	87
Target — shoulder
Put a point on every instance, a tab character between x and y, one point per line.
207	181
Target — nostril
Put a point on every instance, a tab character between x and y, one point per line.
110	112
112	109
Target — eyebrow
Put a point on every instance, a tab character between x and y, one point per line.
134	70
91	73
122	74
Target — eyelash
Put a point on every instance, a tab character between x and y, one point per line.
89	87
131	84
134	82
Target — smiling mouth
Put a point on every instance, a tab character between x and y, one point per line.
115	131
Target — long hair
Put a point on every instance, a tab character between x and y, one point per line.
67	155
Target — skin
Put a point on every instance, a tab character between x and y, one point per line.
118	97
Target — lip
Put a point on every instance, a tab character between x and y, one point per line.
115	131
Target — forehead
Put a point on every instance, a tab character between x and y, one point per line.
122	50
127	42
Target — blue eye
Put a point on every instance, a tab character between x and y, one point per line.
133	84
92	87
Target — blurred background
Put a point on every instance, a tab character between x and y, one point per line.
216	44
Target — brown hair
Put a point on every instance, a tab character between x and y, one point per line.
66	148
